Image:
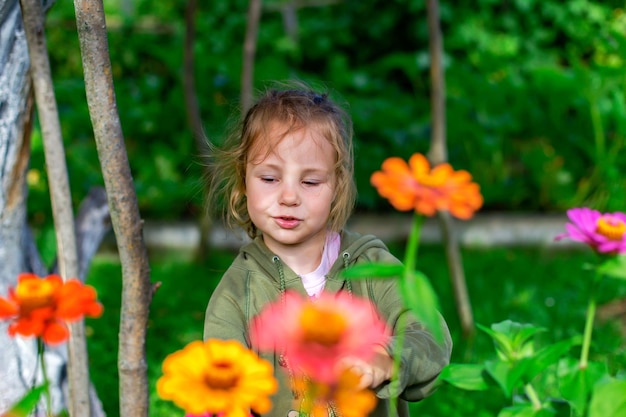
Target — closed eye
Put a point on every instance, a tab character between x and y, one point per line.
268	179
311	182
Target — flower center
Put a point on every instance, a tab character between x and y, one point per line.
222	375
611	227
322	326
33	294
432	181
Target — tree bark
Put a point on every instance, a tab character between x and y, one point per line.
18	252
60	196
15	376
126	221
438	154
249	52
16	354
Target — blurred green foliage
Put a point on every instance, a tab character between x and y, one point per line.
535	93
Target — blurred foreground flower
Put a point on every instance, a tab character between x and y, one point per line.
42	306
605	233
211	415
217	376
414	186
343	396
315	334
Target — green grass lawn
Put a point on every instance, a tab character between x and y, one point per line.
542	287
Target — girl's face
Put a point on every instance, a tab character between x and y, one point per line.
290	191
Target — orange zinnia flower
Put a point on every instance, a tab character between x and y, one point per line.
344	396
415	186
41	306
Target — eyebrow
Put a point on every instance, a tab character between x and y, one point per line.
279	167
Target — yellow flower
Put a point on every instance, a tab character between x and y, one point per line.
217	376
344	396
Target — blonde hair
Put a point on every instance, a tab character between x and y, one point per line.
295	106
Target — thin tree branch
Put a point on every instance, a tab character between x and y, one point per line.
290	21
438	154
189	85
60	196
249	51
122	200
194	120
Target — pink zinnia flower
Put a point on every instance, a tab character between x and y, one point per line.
605	233
316	334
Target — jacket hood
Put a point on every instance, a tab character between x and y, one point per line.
352	246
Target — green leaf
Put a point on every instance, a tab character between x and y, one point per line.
502	342
470	377
548	356
614	267
512	339
525	410
506	375
561	407
519	333
27	403
576	384
373	270
419	296
608	399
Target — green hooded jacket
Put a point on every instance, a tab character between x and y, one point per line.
254	279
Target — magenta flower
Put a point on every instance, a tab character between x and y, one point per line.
605	233
315	334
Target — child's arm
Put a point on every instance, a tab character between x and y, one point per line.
224	317
375	372
421	356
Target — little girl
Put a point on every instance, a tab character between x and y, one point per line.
286	176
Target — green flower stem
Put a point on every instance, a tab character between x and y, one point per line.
40	352
591	312
410	256
409	266
394	389
532	396
598	130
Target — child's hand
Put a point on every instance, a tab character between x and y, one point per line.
374	372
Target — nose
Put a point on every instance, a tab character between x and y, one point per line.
289	194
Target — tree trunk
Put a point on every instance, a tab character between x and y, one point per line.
127	223
16	355
18	252
438	154
60	195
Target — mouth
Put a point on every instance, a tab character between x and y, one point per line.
287	222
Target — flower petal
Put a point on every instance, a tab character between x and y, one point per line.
55	332
8	308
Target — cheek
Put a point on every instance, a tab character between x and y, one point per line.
324	200
256	197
